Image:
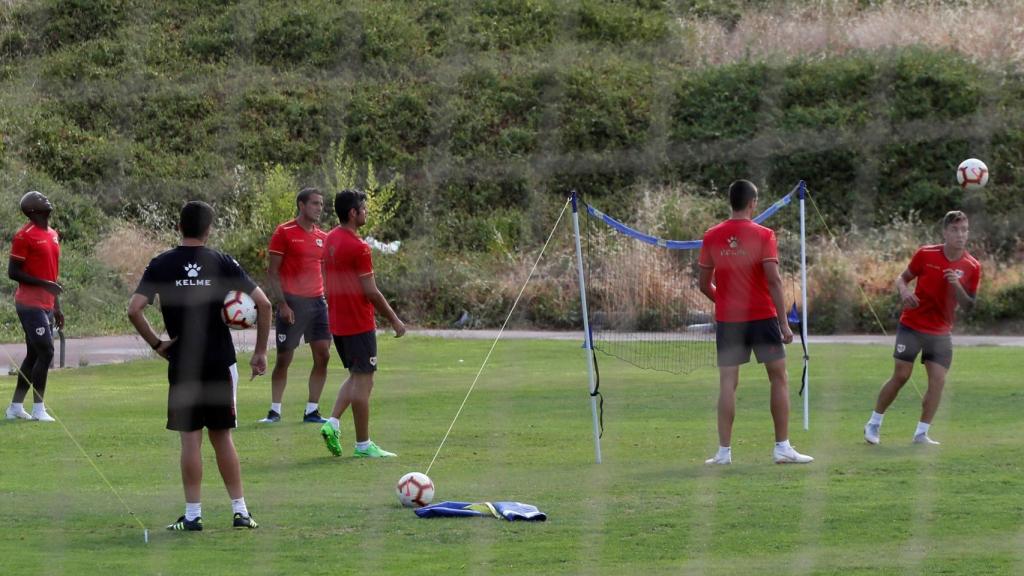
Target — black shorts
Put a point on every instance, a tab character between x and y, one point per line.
937	348
735	340
198	399
310	322
37	323
358	352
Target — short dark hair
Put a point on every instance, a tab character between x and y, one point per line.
196	218
303	196
952	217
346	200
741	193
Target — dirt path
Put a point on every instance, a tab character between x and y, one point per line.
116	349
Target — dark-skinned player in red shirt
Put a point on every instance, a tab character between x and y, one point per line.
34	264
739	272
947	278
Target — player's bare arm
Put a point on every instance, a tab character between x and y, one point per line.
965	300
258	362
16	272
380	303
274	283
774	279
136	306
707	286
903	288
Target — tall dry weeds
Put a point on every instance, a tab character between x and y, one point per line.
987	32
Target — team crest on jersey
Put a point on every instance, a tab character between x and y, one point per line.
959	273
734	248
734	243
319	242
900	348
192	271
41	330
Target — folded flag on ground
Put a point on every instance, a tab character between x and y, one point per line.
507	510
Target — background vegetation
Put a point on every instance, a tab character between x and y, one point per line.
478	117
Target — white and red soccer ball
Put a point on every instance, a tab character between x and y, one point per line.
415	490
239	311
972	174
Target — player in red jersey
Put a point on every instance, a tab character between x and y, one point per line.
739	272
34	264
947	277
352	297
296	275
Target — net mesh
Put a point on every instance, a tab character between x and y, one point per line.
643	296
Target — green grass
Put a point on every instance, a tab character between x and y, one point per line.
652	507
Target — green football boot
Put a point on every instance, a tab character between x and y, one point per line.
373	451
332	438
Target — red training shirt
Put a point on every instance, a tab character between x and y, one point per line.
934	314
39	250
301	256
737	250
348	260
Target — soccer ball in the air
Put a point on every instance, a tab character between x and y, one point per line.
239	310
415	490
971	174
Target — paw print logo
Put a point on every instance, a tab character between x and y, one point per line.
192	270
733	242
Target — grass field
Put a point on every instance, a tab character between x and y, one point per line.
652	507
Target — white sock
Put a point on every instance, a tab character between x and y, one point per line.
238	507
876	418
922	428
362	445
17	407
724	451
38	408
335	423
784	445
276	407
311	407
193	510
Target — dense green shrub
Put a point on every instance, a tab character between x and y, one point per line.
388	124
719	103
818	94
606	107
620	23
72	21
928	84
505	24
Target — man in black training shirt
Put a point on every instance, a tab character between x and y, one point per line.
191	281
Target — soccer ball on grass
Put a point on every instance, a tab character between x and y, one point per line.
239	311
415	490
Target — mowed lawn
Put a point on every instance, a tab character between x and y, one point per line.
652	507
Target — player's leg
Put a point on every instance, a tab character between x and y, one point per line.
766	340
364	366
17	408
732	351
288	336
908	345
937	357
317	332
191	462
231	472
779	380
39	334
321	350
330	431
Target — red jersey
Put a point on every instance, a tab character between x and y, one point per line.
302	254
348	260
737	251
39	252
934	314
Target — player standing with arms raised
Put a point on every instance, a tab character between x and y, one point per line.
947	277
296	274
352	297
34	264
739	272
191	281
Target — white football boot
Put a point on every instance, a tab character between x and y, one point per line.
13	414
790	456
872	433
924	439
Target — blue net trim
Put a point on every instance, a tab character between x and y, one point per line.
684	244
